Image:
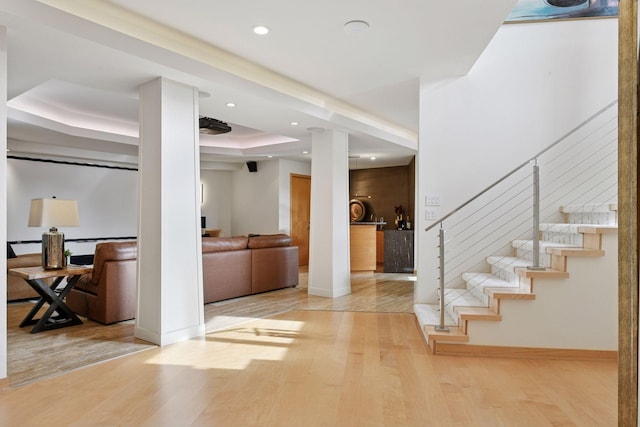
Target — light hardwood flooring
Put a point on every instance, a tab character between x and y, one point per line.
311	365
32	357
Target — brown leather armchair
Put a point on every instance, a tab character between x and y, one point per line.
108	294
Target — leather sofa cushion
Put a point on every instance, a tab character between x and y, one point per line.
26	260
17	287
274	268
269	241
226	274
220	244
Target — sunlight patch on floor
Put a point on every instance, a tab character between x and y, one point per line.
236	348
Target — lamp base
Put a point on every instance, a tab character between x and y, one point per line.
53	250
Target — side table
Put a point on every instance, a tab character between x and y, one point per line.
51	295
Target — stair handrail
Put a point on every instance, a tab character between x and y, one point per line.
532	159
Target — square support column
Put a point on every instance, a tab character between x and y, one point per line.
329	274
3	207
170	304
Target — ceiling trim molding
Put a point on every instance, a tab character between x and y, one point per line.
127	23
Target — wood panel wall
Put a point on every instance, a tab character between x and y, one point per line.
388	187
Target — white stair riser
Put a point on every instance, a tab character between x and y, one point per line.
461	298
564	238
505	274
601	218
505	268
544	258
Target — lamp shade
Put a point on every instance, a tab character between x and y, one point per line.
54	213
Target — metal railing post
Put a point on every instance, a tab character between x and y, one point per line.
536	217
441	327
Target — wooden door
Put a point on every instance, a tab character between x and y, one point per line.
301	215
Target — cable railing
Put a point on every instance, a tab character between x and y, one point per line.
579	168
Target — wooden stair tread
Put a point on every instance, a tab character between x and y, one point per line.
597	229
575	252
540	274
510	293
455	334
477	313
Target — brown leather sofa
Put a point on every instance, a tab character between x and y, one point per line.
231	267
274	263
238	266
226	268
17	287
108	293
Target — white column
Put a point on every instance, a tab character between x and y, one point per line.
329	274
170	303
3	202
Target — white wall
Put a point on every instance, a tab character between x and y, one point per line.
261	201
107	201
216	206
255	200
533	83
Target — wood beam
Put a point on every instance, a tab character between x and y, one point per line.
628	69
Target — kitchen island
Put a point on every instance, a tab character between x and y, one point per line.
362	246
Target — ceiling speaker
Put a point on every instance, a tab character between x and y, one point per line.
253	166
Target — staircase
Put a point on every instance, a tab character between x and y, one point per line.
576	284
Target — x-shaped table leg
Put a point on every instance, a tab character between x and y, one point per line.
65	316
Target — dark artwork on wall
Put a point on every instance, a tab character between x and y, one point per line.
537	10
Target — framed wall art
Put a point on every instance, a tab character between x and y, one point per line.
546	10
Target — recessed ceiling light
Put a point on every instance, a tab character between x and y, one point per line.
356	26
231	104
373	157
294	123
305	152
261	30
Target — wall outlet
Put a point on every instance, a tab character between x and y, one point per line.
432	200
431	214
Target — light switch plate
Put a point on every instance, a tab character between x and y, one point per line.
432	200
431	214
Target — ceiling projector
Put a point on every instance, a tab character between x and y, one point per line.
213	126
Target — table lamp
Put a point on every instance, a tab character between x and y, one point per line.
53	213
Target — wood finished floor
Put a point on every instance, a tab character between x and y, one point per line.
318	368
317	363
32	357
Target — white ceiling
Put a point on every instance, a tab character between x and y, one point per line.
74	68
